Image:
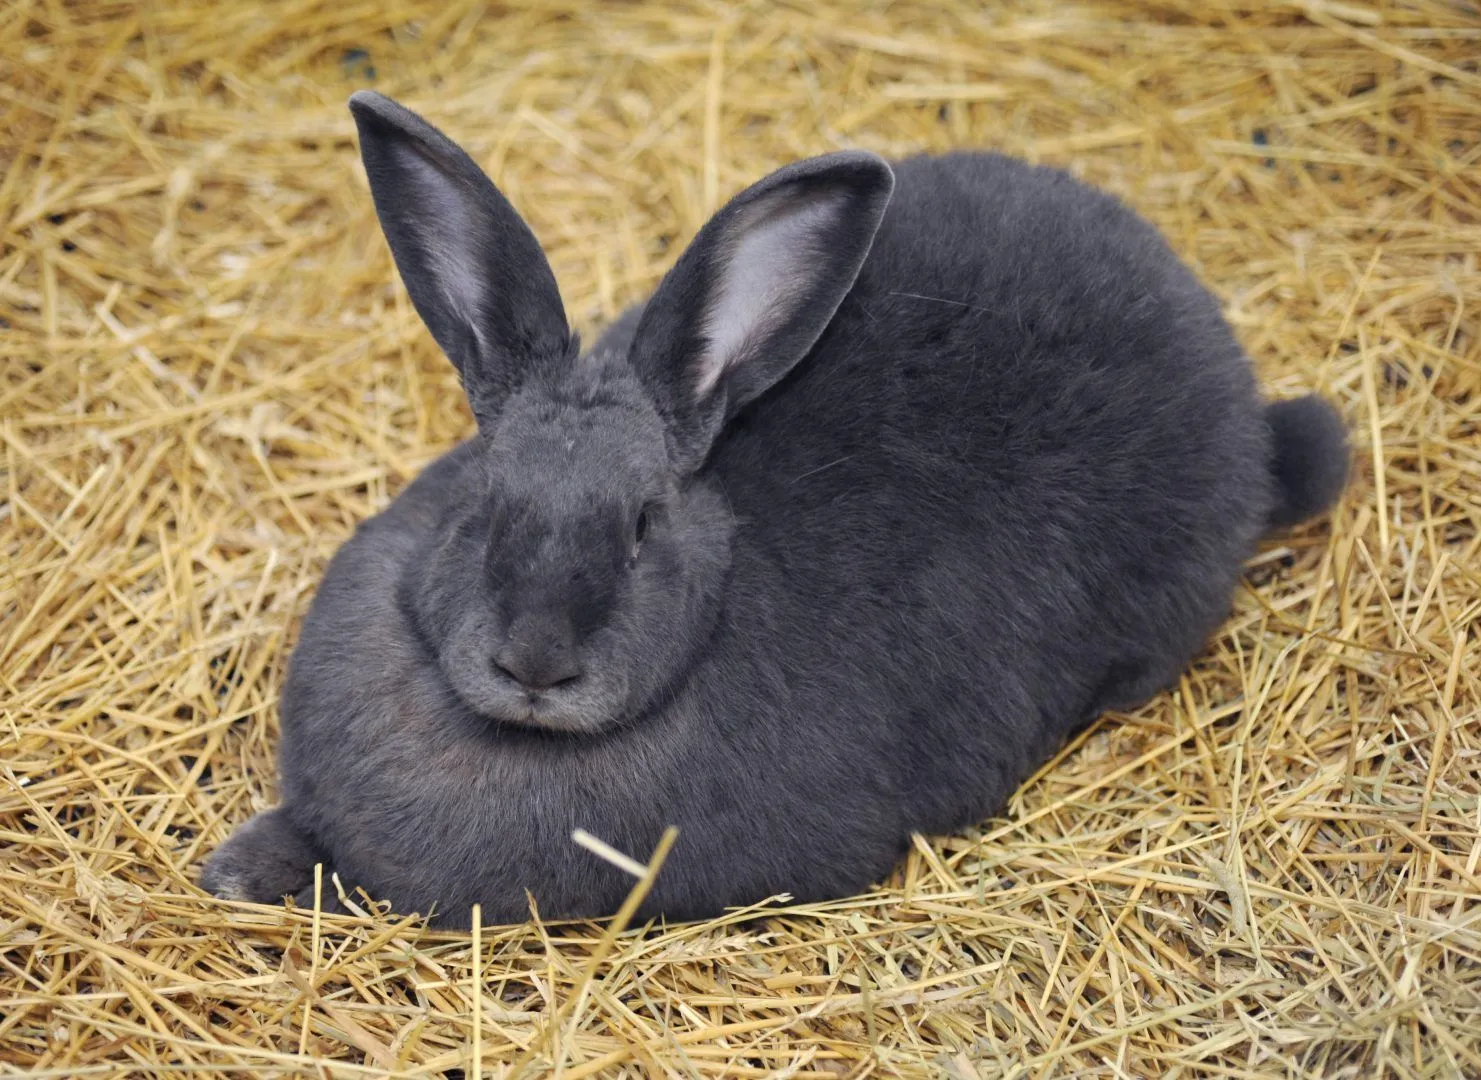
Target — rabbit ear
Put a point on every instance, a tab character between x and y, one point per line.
474	270
756	289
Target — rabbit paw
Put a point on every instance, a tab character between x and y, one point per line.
264	860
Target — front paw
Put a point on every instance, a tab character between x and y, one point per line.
265	860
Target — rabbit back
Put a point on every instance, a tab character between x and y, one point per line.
1015	481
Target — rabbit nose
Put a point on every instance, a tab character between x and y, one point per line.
539	654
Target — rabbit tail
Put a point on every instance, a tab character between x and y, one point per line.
1309	460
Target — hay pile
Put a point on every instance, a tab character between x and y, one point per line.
208	375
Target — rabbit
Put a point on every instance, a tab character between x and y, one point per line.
902	475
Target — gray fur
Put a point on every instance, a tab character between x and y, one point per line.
988	467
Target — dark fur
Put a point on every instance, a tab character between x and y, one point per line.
1309	476
1010	486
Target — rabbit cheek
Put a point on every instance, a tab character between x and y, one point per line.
468	663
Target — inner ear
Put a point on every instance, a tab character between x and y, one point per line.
472	267
772	255
449	221
752	294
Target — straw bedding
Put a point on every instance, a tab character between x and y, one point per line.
209	374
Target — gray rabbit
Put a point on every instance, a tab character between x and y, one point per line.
903	474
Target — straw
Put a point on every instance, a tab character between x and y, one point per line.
209	374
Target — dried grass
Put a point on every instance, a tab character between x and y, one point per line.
208	376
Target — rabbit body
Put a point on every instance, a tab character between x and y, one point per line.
1009	483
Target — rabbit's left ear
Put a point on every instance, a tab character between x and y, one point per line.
757	287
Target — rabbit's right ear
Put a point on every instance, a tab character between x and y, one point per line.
751	295
474	271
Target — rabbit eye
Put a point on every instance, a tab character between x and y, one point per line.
640	532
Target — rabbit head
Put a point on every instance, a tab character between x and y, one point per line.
580	569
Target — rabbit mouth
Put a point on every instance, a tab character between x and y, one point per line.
580	707
543	711
535	708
